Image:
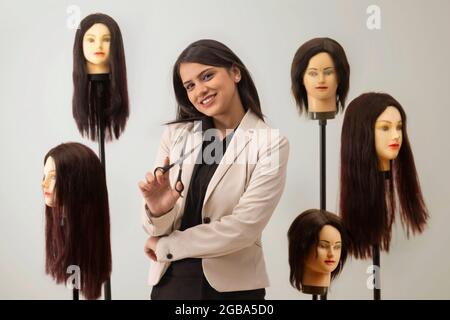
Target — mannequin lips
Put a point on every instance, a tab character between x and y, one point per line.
329	262
47	194
394	146
322	88
99	53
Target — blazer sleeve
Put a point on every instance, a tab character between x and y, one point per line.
159	226
245	224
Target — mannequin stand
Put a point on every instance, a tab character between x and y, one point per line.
75	294
376	253
322	117
99	83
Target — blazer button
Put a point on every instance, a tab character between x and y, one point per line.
169	256
206	220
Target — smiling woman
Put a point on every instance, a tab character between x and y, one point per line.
207	245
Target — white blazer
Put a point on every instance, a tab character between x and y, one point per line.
240	199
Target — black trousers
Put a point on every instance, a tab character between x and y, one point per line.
184	280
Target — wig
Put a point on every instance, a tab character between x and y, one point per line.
301	60
84	108
77	227
212	53
303	235
367	200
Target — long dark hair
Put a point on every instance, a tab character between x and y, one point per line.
303	235
367	202
212	53
77	228
83	101
301	60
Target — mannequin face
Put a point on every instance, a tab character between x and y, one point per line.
49	181
320	81
388	136
96	45
212	90
325	257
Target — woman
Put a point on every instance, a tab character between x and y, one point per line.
205	242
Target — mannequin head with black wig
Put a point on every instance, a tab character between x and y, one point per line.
77	224
320	76
318	245
374	141
98	49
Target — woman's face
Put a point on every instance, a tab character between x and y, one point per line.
212	90
388	136
320	78
324	257
49	182
96	45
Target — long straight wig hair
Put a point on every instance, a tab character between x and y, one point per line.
212	53
77	228
301	60
367	201
303	235
83	102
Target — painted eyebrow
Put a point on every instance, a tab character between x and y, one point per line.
198	76
317	69
388	121
93	35
329	241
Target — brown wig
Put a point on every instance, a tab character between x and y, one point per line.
367	202
301	60
303	235
83	102
212	53
77	227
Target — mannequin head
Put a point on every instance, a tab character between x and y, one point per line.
374	139
317	248
96	45
49	182
320	76
80	201
213	53
98	49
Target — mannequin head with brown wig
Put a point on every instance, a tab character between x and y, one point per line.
320	76
372	142
76	216
98	48
318	245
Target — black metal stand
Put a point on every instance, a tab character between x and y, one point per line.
377	269
75	294
376	254
99	85
322	117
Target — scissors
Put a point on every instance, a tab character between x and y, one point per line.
179	162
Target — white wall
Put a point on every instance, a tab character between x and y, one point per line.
407	57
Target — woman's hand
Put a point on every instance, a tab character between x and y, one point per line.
150	247
159	196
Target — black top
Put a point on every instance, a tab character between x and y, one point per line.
205	166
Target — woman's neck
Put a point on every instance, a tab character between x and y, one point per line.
231	119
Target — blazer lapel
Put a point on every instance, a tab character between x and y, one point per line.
241	138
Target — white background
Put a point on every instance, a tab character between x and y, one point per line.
408	58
